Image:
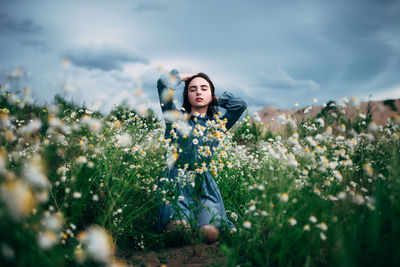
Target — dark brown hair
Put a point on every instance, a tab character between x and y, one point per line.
212	107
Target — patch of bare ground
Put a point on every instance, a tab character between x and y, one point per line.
181	255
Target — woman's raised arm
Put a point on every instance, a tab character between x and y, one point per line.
235	106
166	85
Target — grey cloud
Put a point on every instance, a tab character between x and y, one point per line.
280	79
360	20
362	37
327	49
11	25
148	7
3	73
120	78
105	57
40	45
260	96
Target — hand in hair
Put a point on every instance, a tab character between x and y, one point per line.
186	76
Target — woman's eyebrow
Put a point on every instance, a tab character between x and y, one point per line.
203	85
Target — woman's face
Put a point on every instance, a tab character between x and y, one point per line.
199	92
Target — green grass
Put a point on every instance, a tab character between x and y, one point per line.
103	171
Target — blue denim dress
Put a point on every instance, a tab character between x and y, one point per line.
208	206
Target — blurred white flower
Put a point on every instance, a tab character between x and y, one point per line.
311	141
323	236
124	139
256	117
183	127
292	160
264	213
55	122
247	224
234	216
322	226
341	195
32	127
338	175
42	196
3	160
94	125
368	169
372	127
358	199
342	127
18	198
307	109
167	95
292	140
47	239
174	116
284	197
81	160
320	121
282	119
53	222
333	164
171	158
33	172
98	244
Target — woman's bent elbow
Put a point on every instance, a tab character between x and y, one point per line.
244	105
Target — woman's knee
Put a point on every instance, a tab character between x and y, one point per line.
210	233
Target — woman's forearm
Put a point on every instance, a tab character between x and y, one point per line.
166	85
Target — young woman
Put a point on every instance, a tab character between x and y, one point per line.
200	104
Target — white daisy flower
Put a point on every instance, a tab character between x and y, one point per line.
247	224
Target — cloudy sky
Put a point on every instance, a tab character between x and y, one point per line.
268	52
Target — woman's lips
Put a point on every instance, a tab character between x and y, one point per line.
199	99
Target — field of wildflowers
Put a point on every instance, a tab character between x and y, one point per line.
76	186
